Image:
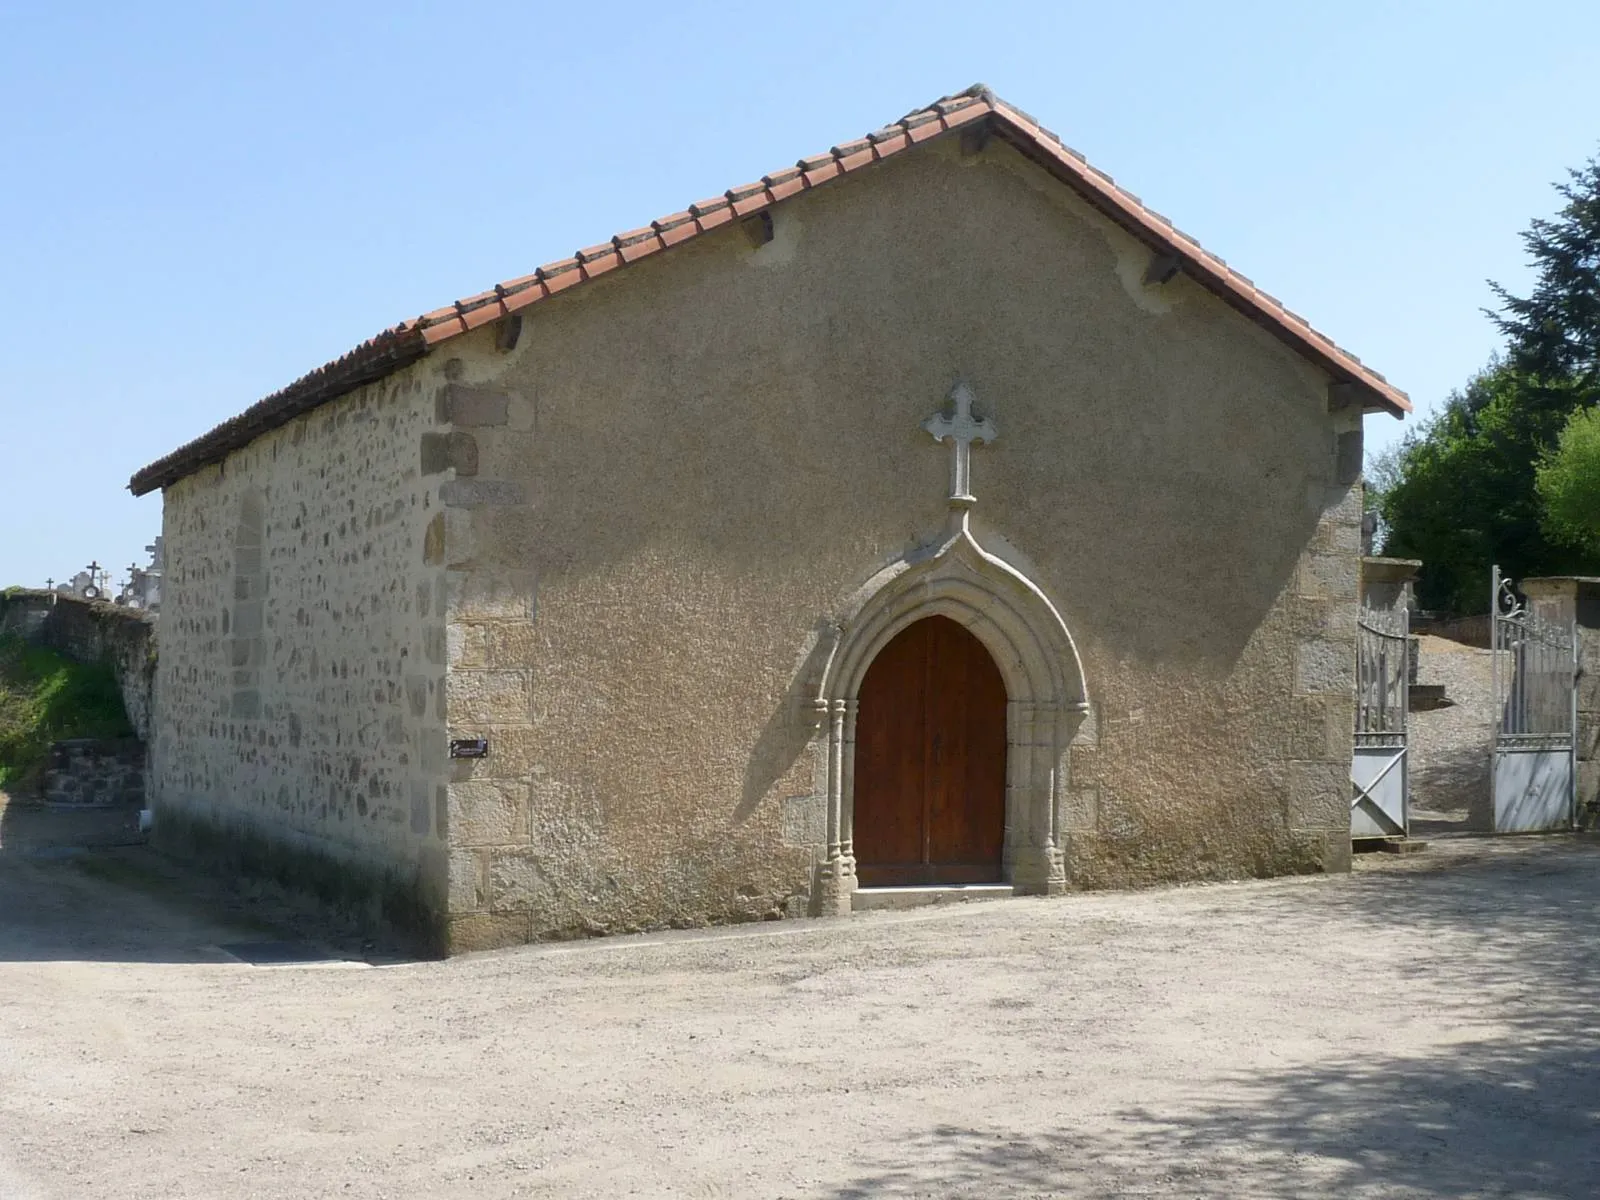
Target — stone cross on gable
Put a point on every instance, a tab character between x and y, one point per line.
961	430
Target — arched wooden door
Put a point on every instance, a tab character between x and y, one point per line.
930	775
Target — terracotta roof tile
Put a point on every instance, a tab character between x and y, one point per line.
558	277
520	300
963	115
883	147
712	217
675	228
483	315
410	340
857	158
824	171
785	186
634	249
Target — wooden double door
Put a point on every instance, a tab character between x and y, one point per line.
930	761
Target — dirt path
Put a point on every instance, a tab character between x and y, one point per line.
1422	1028
1450	745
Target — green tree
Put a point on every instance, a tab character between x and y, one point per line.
1464	492
1568	483
1464	496
1554	333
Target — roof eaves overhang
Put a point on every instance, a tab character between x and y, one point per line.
372	360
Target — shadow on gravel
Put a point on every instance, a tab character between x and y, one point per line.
81	886
1506	1112
1450	792
103	904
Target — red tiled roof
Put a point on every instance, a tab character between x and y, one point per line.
411	340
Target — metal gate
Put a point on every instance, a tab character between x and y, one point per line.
1379	792
1535	673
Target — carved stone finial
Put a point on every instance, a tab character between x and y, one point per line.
961	429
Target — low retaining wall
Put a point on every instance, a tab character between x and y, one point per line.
1469	631
96	773
91	631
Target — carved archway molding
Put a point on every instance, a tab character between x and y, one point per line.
1046	697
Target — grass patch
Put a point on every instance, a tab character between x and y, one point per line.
46	698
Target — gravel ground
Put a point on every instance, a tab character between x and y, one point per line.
1422	1028
1450	746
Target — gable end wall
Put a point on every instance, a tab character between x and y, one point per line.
684	471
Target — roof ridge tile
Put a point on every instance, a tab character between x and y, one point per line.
950	104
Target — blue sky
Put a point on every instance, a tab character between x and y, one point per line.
201	202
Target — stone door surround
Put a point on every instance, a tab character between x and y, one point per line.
1046	697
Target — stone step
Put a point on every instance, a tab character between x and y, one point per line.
866	899
1425	696
1388	845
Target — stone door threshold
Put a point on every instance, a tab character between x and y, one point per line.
865	899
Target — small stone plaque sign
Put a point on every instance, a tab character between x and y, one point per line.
469	748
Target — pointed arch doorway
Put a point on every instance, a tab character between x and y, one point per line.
930	760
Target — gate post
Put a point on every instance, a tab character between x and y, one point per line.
1576	598
1379	800
1386	585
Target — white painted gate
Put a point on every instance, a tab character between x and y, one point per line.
1535	674
1379	799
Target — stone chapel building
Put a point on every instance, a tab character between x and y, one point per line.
928	514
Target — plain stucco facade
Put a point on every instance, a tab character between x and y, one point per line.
636	531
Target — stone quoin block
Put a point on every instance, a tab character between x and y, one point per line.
467	882
488	812
1333	575
516	881
488	931
488	697
466	646
443	451
1323	666
492	595
433	542
1347	457
469	405
511	643
1319	795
